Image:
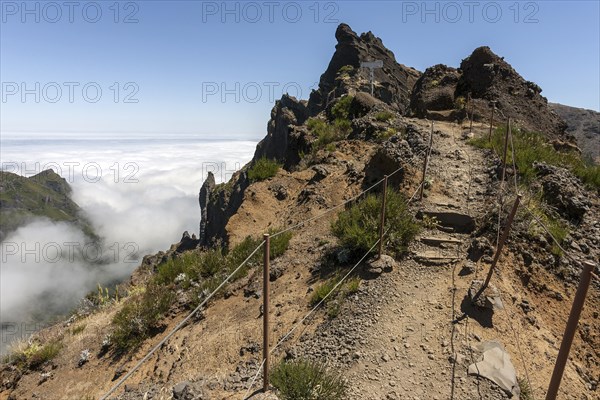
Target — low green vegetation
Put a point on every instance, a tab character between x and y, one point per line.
103	296
384	116
327	132
460	103
341	109
308	380
33	354
386	134
262	169
345	72
558	228
526	392
357	227
139	316
197	272
530	147
334	301
78	329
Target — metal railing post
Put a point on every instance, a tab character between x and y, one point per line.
382	220
426	163
570	330
266	288
511	216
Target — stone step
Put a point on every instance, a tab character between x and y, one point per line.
440	240
450	221
435	258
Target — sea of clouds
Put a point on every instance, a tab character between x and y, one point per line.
140	193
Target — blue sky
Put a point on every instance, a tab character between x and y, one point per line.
162	66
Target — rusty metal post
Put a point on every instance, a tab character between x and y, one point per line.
426	163
382	220
570	330
491	122
470	103
508	132
509	222
266	350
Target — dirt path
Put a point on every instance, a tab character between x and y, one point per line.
405	335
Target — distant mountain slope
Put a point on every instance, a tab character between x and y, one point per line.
584	125
43	195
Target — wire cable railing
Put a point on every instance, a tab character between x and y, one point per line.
179	325
315	308
283	339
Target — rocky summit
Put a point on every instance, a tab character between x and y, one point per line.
415	323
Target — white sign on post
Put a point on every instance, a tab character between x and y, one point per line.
372	65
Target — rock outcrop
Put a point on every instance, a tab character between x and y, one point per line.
218	203
393	82
285	141
563	190
584	125
207	188
442	93
433	96
489	78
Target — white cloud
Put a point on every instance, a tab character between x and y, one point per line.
146	194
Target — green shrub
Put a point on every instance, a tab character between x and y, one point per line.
78	329
358	227
326	133
384	116
557	228
262	169
460	103
386	134
526	392
139	316
45	353
279	243
240	252
323	290
334	301
33	355
203	270
188	263
307	380
345	71
531	147
341	109
352	286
